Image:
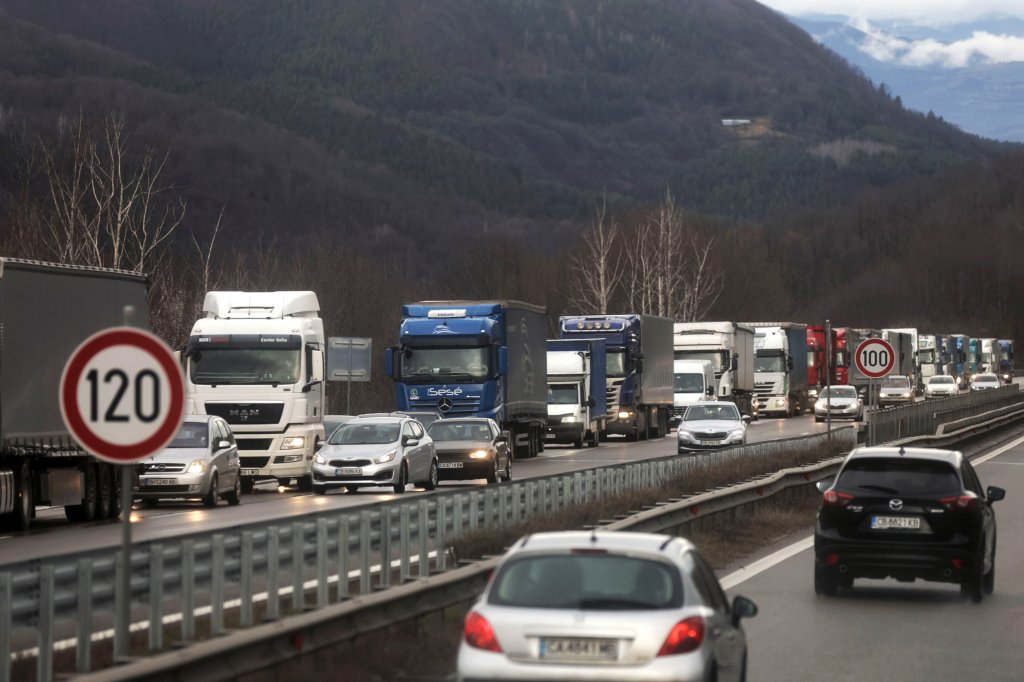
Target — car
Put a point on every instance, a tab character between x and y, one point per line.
842	402
376	451
940	386
424	418
984	381
469	447
333	421
200	463
896	389
603	605
906	513
711	425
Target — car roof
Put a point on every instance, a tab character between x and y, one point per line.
953	457
378	419
713	403
201	418
576	539
985	375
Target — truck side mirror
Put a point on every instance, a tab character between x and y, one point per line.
710	390
389	361
590	402
638	365
789	363
503	360
735	363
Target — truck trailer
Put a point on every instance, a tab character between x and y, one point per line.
577	400
730	349
46	311
780	375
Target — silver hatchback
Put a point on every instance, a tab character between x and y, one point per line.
604	606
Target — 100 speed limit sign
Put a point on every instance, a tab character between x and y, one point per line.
875	358
122	395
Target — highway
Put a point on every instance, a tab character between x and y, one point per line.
52	535
885	630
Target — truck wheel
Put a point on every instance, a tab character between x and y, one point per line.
595	439
105	490
578	441
116	491
20	518
641	425
86	511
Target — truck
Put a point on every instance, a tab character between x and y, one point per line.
988	360
1006	359
577	385
638	351
847	340
904	344
730	349
47	311
780	372
694	383
821	359
974	356
475	358
960	362
257	359
932	355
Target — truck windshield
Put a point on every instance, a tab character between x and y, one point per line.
770	363
429	365
563	394
689	383
717	358
926	356
244	366
616	363
986	357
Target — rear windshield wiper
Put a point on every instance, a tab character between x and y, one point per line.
613	604
880	488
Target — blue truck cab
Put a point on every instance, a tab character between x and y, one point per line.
1006	359
475	359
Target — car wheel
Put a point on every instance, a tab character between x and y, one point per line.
247	485
989	579
972	585
824	582
319	489
212	496
403	480
818	419
306	483
431	483
492	475
352	488
508	468
234	497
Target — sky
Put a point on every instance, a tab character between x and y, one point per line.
926	12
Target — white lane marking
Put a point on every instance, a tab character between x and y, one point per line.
762	565
999	451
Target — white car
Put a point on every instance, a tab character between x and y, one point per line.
579	605
842	402
983	382
711	425
896	389
940	386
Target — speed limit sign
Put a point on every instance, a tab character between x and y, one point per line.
874	358
122	395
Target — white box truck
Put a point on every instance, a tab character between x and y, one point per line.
577	401
729	347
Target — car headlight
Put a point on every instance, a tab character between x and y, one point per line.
479	454
319	459
736	433
293	443
385	458
813	393
196	467
820	405
568	420
683	433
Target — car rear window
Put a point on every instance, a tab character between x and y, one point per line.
587	580
904	476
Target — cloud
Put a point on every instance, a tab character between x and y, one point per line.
923	12
981	48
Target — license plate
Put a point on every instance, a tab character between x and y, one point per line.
711	442
574	649
159	481
549	436
900	522
250	472
449	465
348	471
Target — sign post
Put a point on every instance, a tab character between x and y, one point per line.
875	359
122	396
828	380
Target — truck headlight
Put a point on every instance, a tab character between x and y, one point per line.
479	454
906	395
780	402
319	459
196	467
624	414
568	420
293	443
385	458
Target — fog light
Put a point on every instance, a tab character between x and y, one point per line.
958	564
831	559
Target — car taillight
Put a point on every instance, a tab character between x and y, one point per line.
831	498
960	503
686	636
479	633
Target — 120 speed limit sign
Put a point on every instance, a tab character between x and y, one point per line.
875	358
122	395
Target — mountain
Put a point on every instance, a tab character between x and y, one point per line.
980	97
410	122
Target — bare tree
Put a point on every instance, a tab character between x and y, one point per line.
596	267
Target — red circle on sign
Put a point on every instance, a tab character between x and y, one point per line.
865	347
95	344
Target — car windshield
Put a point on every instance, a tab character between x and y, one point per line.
364	434
904	476
244	366
689	383
708	412
986	378
940	380
587	581
445	364
839	392
191	435
770	363
896	382
563	394
459	431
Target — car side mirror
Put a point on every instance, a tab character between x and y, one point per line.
222	444
501	438
746	419
824	485
742	608
410	441
710	390
995	493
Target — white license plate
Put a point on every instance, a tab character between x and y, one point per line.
575	649
711	442
159	481
549	436
900	522
250	472
348	471
449	465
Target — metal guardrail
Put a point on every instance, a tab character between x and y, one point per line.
329	554
925	418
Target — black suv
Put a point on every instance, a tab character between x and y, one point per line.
906	513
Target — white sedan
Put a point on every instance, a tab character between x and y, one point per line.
983	382
940	386
711	425
842	402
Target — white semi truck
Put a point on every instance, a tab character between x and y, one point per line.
257	359
729	347
780	373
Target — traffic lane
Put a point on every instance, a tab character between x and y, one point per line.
52	535
883	629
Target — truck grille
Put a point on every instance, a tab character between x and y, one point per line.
763	389
612	395
247	413
254	443
460	407
253	462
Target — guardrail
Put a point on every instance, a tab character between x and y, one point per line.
925	418
331	555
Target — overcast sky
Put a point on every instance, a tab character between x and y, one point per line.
927	12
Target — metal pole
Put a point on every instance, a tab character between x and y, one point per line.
348	381
122	597
871	422
828	379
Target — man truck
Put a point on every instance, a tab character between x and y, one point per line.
257	360
638	353
577	401
780	372
475	359
730	349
